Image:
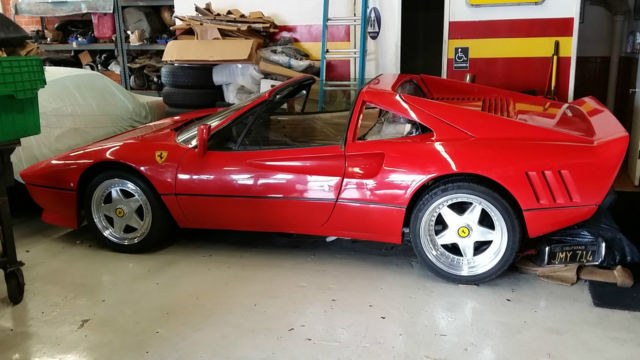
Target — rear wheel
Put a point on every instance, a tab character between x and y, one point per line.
465	232
126	213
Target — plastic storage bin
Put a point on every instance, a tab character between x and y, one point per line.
20	79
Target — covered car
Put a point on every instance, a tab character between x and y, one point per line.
78	107
467	171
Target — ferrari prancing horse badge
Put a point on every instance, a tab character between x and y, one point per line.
161	156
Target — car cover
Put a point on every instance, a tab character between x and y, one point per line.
78	107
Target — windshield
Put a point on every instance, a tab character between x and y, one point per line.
187	136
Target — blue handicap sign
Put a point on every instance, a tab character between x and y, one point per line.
373	23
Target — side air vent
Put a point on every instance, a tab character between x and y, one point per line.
553	187
498	106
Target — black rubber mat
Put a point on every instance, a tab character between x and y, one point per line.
610	296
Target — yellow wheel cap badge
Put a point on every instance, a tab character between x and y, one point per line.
119	212
463	231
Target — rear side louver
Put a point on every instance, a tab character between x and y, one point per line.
494	105
553	187
498	106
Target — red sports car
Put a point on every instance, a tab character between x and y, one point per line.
467	170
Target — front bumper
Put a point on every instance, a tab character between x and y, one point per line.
60	206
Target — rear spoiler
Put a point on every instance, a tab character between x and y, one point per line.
590	114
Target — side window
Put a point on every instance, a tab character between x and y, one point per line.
226	138
379	124
281	125
286	124
254	121
264	135
295	104
276	131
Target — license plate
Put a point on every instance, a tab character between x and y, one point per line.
563	254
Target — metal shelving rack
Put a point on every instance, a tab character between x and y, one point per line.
146	47
123	46
66	47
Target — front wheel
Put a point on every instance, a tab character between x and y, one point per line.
126	213
465	232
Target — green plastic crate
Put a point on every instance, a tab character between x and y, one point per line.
20	79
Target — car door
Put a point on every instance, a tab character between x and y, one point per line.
264	171
389	154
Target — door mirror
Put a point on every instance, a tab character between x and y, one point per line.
203	138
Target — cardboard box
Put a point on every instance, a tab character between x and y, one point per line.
111	75
85	58
204	32
211	51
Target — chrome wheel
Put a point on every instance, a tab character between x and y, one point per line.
121	211
463	234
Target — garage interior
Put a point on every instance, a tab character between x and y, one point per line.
224	286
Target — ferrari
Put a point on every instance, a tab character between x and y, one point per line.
464	172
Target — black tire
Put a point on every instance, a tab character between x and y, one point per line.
460	188
172	111
191	98
187	76
161	222
15	285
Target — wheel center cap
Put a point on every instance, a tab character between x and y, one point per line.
464	232
120	212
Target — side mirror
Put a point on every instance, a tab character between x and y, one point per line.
203	138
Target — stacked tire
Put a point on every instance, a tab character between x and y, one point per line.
189	87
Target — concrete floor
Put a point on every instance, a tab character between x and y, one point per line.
224	295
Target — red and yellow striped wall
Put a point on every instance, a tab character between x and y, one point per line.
514	54
309	39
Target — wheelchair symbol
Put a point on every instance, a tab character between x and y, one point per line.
460	56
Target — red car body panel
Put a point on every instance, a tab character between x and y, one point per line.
556	160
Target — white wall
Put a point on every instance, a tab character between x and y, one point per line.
383	54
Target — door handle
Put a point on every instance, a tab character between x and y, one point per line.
631	91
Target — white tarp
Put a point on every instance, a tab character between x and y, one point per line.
78	107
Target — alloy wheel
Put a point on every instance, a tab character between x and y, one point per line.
121	211
463	234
